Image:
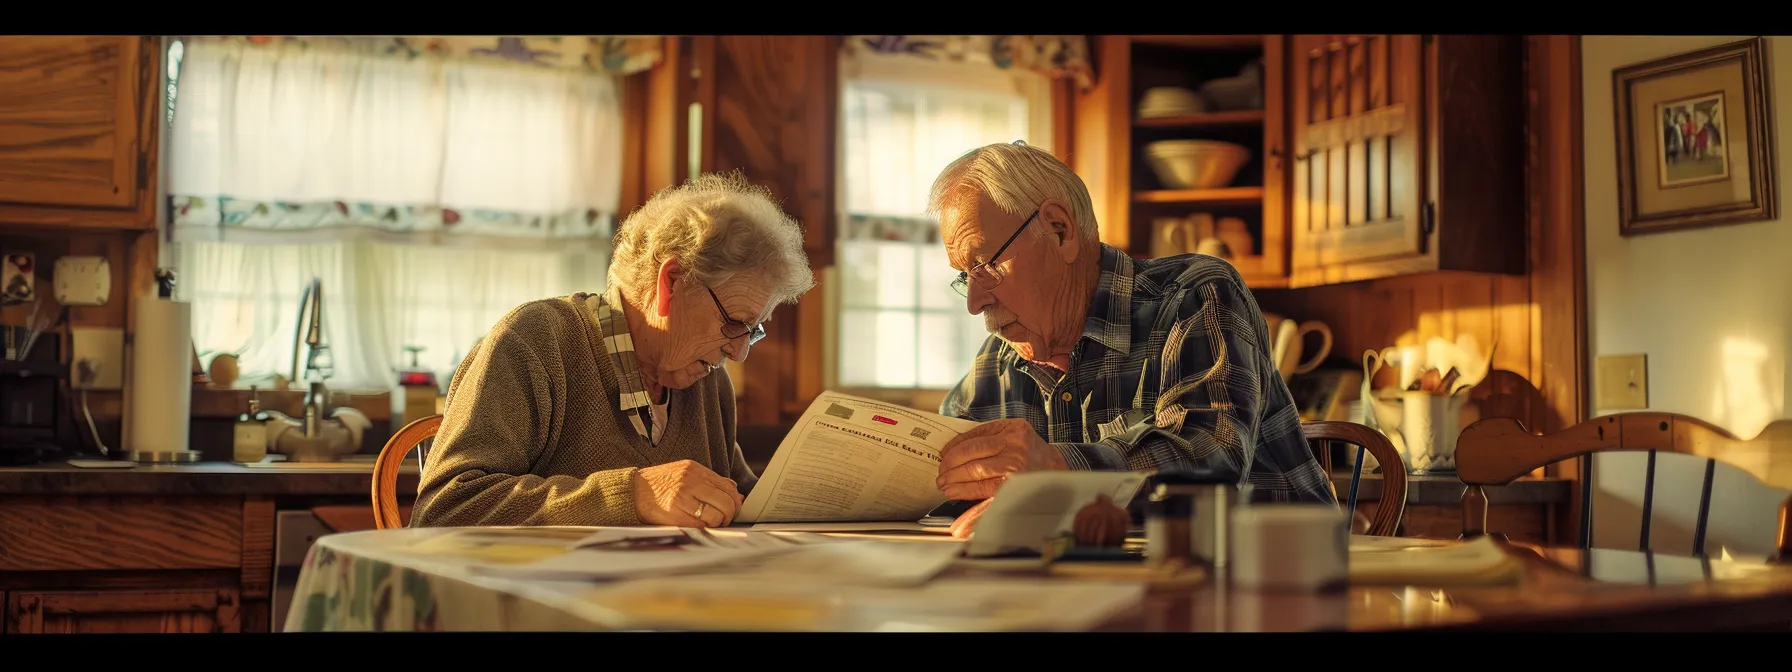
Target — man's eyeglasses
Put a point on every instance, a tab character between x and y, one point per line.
732	328
985	273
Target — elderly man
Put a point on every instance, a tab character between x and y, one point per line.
614	408
1099	361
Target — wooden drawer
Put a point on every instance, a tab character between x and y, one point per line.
120	533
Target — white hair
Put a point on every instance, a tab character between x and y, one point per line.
1017	177
718	226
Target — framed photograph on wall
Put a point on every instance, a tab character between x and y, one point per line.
1695	140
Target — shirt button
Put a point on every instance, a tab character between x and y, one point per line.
1065	396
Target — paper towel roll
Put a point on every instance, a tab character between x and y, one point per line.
161	391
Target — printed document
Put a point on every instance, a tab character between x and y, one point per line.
851	459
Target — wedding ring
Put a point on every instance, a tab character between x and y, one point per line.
699	514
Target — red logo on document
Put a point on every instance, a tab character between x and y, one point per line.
883	419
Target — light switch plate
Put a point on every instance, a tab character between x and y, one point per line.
1623	382
83	281
98	358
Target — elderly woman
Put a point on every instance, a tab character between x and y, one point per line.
613	408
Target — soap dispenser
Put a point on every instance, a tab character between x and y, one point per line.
251	443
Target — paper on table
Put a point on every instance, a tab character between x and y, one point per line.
610	535
854	459
1034	506
870	526
889	563
1478	562
596	564
943	605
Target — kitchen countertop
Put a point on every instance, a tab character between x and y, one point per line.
198	478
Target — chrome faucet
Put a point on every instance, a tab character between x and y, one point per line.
322	435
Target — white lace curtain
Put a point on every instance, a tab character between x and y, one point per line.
430	195
902	121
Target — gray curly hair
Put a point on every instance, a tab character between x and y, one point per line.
718	226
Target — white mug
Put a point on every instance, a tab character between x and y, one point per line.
1295	547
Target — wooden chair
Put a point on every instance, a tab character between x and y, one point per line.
1392	505
1497	451
385	468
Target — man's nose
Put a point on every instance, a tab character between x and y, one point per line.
977	298
742	346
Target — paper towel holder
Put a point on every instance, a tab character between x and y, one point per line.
164	292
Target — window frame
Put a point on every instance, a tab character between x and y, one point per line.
1044	108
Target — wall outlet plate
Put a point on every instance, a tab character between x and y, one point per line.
83	281
1622	382
98	358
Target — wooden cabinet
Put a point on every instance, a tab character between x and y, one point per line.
134	611
79	122
1112	138
1373	155
137	564
1408	156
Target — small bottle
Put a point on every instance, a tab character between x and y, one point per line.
1167	516
251	444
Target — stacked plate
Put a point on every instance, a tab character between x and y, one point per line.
1196	164
1170	101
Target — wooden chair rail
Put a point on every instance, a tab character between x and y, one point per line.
385	469
1497	451
1392	506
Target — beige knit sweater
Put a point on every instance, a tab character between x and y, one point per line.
532	434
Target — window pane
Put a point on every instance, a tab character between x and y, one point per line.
972	336
896	274
895	352
858	273
858	348
936	280
943	360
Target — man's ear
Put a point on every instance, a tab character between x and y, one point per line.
1062	227
671	280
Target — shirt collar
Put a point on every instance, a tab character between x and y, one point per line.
1110	309
1109	320
613	327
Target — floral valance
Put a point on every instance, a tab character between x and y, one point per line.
615	54
1055	56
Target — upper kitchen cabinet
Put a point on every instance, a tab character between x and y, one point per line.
79	119
1181	144
1407	156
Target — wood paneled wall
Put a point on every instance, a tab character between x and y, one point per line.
770	108
1538	319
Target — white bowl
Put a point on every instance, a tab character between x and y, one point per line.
1196	164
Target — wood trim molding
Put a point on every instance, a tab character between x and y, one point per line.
1558	252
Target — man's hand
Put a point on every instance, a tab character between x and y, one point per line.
974	464
966	523
685	494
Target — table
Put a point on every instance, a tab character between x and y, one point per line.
404	580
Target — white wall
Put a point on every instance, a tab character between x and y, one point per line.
1710	307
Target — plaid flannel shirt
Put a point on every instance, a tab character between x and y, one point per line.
1171	374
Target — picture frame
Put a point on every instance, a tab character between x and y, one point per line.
1696	140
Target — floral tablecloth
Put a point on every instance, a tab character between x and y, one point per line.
444	579
417	579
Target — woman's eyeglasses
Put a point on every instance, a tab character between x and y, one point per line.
732	328
985	273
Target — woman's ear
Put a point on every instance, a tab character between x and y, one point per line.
670	282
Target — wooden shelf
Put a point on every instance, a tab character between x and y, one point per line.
1232	118
1227	42
1226	196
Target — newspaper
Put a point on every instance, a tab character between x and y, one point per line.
854	460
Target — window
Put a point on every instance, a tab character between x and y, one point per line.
428	195
900	325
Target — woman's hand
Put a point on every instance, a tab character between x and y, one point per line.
685	494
